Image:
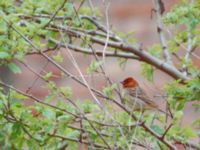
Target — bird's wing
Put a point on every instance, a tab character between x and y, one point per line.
140	93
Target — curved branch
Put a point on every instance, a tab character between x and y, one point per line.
136	50
98	52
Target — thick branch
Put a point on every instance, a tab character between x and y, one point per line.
98	52
136	50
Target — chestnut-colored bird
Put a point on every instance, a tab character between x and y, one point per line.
135	96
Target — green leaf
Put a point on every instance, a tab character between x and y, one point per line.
49	114
73	134
47	76
58	58
108	91
14	68
72	146
87	106
18	96
64	118
180	105
3	55
147	71
94	66
122	62
67	91
177	116
157	129
3	27
16	130
188	132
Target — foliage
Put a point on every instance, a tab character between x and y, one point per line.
60	120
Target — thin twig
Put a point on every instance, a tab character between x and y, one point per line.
107	34
55	13
78	141
166	130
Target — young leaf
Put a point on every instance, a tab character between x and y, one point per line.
58	58
14	68
94	66
3	55
47	76
108	91
67	91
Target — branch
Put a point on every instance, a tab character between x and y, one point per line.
54	135
37	100
192	145
55	13
90	52
114	44
145	127
168	128
36	16
60	109
136	50
93	20
188	52
100	27
82	115
159	6
78	141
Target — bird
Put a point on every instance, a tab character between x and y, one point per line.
135	97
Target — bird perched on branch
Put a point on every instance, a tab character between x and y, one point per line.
135	97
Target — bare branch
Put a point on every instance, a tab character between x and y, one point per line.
138	51
158	10
107	33
188	52
97	52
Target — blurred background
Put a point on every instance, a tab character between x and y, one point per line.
127	16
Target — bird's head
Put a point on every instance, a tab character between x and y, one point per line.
129	83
